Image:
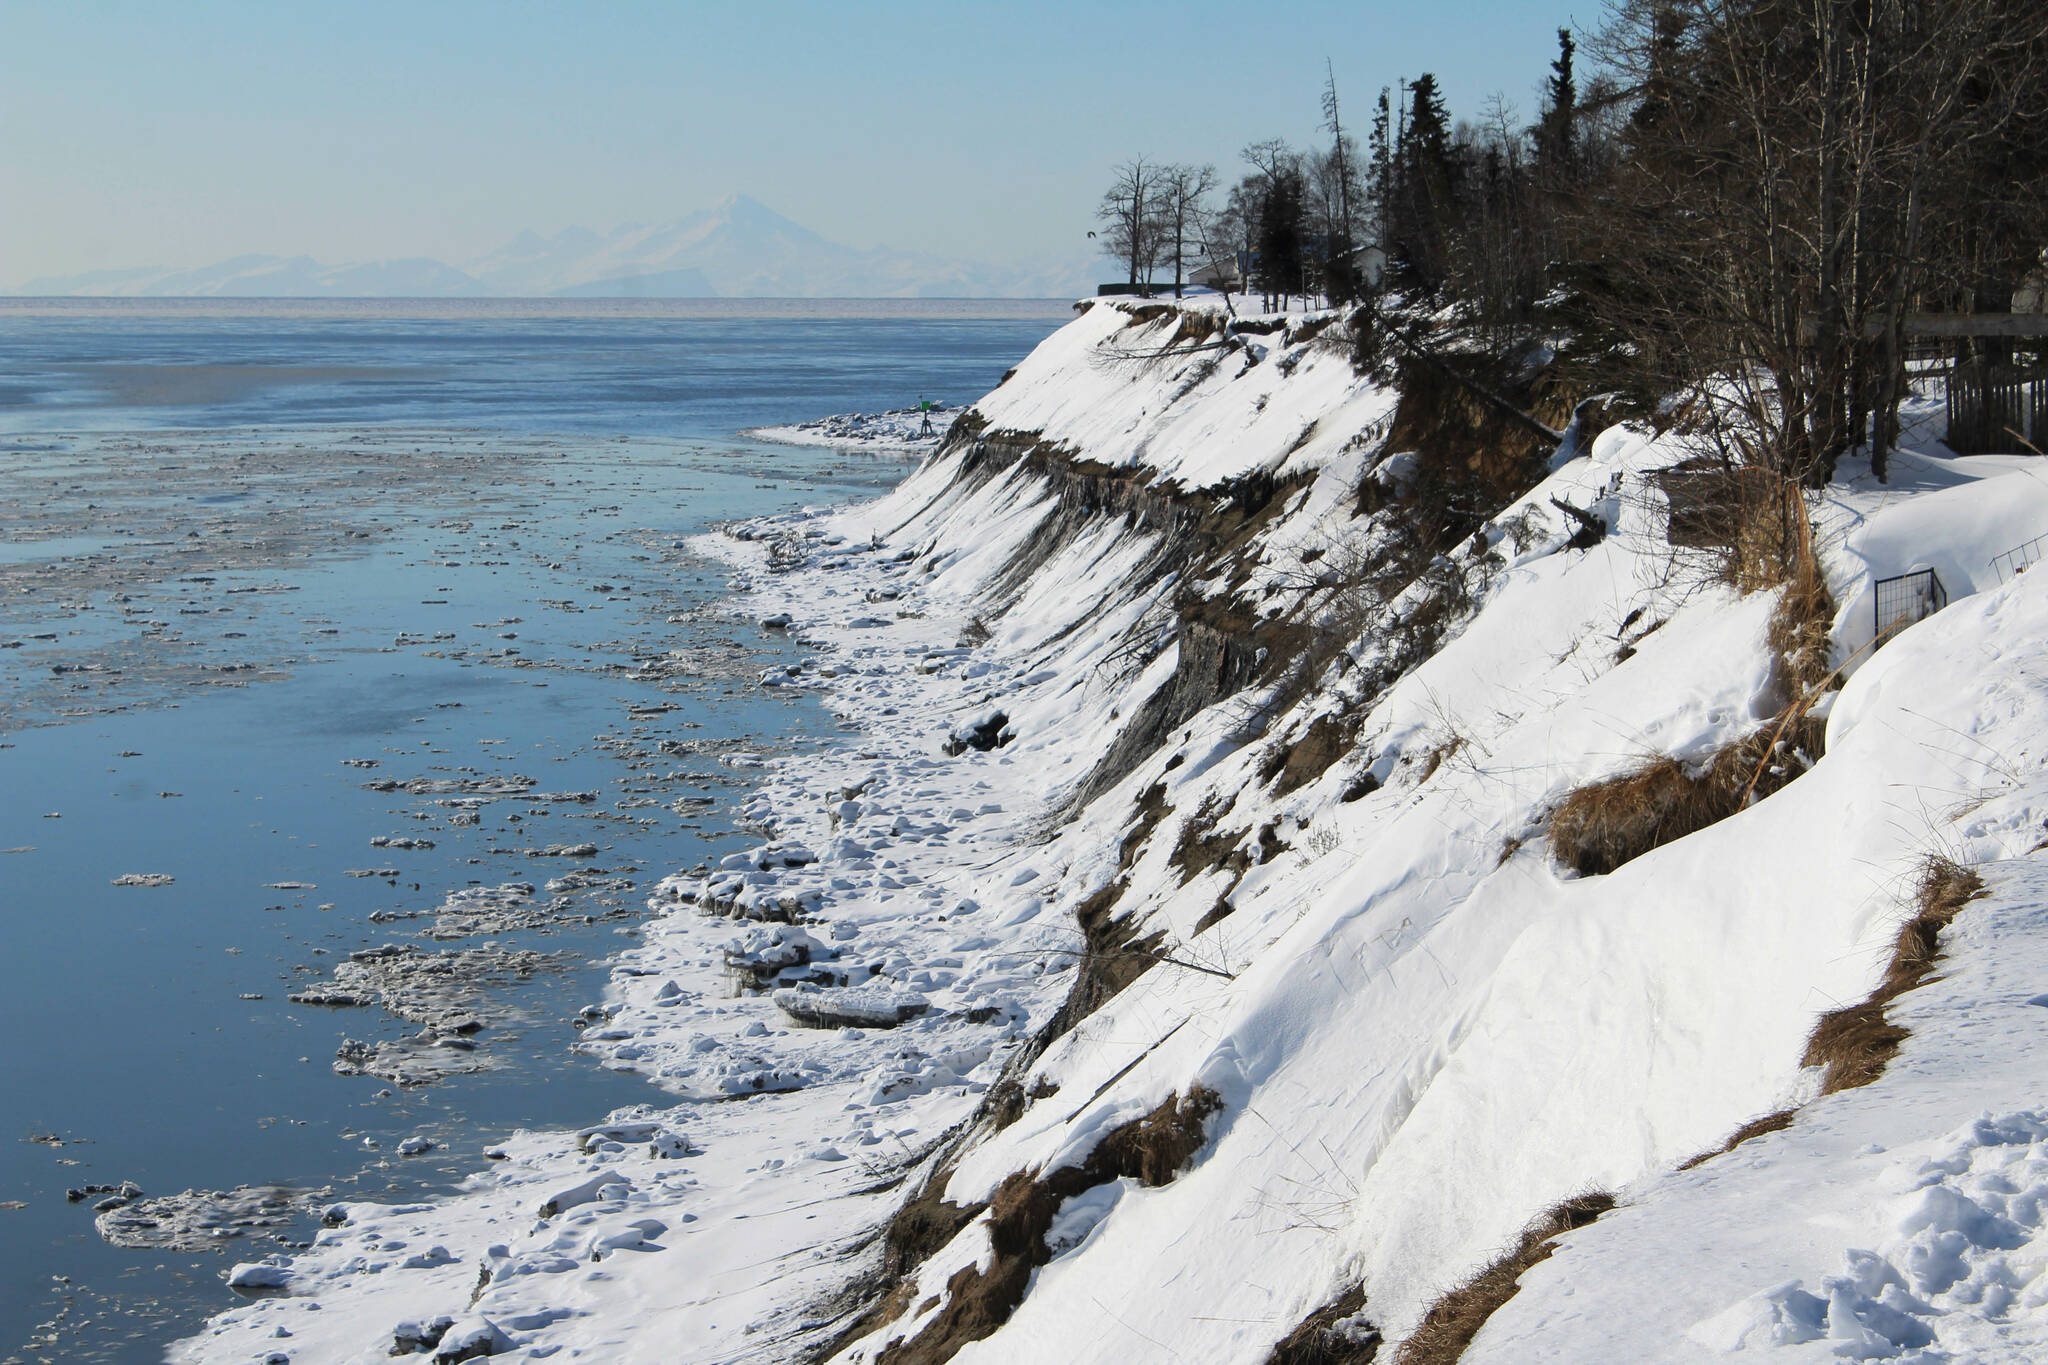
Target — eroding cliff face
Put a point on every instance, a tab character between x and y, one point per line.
1352	682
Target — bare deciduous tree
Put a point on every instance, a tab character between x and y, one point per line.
1795	174
1178	214
1129	217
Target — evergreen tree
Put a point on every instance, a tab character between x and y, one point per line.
1380	174
1556	139
1427	181
1281	234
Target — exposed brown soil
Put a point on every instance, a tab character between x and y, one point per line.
1113	955
1153	1150
1318	1339
1328	738
1496	459
918	1230
1200	846
1151	809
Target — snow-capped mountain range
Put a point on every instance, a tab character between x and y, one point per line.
737	248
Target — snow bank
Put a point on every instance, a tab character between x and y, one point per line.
1184	406
1902	1221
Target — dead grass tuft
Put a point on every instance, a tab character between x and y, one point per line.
1332	1335
1753	520
1800	627
1440	755
1854	1044
1453	1320
1152	1149
1602	826
1605	824
1755	1128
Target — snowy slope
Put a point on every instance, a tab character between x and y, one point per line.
1902	1221
1422	1030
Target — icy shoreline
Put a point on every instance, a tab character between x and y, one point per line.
787	1139
900	431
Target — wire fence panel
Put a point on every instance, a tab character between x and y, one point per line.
1908	598
2019	558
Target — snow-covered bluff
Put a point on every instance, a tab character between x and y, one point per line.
1195	828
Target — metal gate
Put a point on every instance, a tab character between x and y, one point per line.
1908	598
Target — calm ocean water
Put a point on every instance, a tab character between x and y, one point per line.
691	367
260	561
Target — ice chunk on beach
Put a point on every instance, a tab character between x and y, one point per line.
603	1185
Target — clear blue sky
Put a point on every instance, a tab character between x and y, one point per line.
182	133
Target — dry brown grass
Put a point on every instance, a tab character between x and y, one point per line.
1152	1149
1855	1043
1453	1320
1800	627
1441	754
1767	543
1605	824
1318	1340
1755	1128
1601	826
1752	519
1767	533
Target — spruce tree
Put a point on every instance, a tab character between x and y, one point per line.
1556	150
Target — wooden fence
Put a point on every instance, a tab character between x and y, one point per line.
1993	408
